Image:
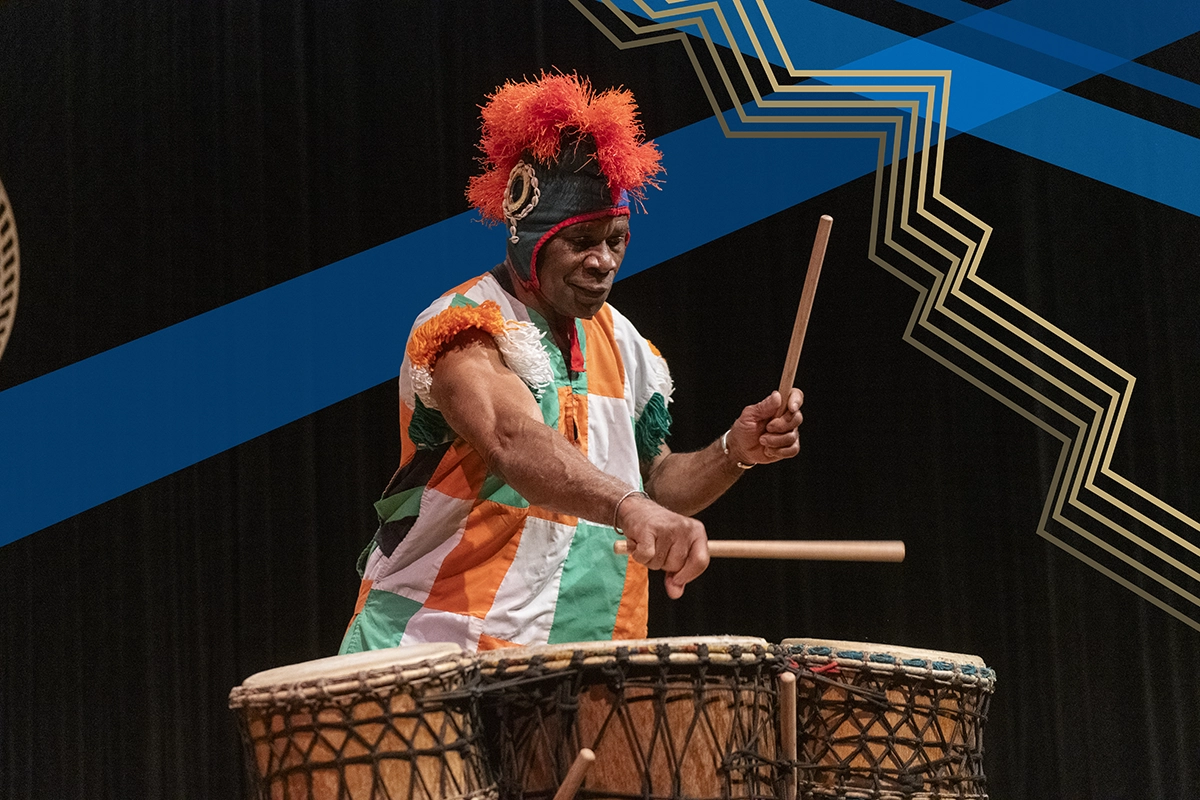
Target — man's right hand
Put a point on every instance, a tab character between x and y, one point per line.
662	539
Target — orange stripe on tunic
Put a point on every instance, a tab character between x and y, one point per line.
632	613
463	288
552	516
492	643
407	448
573	417
605	372
460	473
364	591
472	572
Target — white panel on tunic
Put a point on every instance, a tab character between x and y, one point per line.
488	288
645	373
429	625
611	446
523	609
415	562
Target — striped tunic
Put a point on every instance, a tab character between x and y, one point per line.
459	555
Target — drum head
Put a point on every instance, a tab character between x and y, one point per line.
417	660
884	656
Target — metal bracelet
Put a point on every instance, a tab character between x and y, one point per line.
725	447
617	510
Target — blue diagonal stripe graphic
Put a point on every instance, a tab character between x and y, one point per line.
97	429
1012	24
1068	131
1112	147
1120	27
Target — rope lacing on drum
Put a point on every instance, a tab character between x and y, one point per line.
878	699
887	732
642	714
367	724
747	760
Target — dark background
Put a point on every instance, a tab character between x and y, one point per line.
166	159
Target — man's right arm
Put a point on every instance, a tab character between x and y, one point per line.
490	407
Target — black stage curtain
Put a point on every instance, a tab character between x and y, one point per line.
165	159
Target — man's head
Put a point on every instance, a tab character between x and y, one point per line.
577	266
559	158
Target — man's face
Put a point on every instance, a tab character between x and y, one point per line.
577	267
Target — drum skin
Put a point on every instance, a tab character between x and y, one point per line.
883	722
666	718
397	723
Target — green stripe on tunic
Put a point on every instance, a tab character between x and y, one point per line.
498	491
589	593
380	624
580	384
400	505
428	428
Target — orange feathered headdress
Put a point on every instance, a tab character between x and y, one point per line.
531	117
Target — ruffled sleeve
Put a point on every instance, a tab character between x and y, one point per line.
519	344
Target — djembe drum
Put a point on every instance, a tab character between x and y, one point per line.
385	724
666	718
889	723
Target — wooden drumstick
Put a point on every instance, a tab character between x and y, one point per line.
787	731
805	309
797	550
575	775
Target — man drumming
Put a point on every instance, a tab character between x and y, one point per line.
534	416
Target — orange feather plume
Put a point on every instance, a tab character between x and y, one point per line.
531	116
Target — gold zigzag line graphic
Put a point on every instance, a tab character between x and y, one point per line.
963	322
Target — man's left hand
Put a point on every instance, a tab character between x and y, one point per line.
764	432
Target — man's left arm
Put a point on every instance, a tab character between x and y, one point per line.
687	483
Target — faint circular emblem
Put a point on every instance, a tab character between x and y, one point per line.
10	264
